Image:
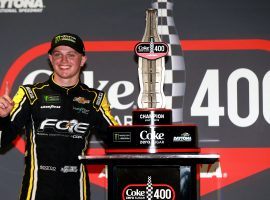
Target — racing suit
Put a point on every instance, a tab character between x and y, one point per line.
57	123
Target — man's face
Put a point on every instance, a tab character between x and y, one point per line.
66	63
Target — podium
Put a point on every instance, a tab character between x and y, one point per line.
152	176
152	159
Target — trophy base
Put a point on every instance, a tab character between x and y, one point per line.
153	132
152	116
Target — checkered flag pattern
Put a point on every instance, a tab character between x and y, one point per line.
174	86
149	189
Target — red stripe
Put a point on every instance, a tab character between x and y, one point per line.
158	125
109	46
126	150
215	45
95	151
19	143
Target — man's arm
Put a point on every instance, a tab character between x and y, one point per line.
6	103
13	116
104	120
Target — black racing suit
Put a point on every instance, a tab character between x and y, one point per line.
57	123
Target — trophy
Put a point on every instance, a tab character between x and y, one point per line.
152	130
151	62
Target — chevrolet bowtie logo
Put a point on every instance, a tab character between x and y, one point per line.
81	100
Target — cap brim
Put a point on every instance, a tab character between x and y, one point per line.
63	43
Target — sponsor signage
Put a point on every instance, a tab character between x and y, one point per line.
64	128
184	137
122	137
21	6
147	183
81	100
148	191
151	50
50	107
162	136
150	117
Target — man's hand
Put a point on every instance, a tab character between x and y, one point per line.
6	103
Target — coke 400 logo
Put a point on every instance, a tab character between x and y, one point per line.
140	191
148	191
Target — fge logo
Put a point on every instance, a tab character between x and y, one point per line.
71	126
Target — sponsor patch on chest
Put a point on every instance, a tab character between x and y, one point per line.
51	99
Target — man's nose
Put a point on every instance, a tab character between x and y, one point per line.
64	59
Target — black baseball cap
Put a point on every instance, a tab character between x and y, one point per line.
68	39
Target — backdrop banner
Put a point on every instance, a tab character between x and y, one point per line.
217	76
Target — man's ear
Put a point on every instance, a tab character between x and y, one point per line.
83	61
50	58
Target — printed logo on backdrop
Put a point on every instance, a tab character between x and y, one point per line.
148	191
21	6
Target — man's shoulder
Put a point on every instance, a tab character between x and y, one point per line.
35	85
95	95
89	90
30	90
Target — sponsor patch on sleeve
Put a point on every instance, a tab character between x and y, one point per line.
98	100
30	93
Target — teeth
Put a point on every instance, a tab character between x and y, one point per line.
62	67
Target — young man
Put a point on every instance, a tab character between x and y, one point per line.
58	116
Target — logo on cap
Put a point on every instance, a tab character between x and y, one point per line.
68	39
64	38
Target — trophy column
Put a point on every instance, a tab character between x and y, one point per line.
151	62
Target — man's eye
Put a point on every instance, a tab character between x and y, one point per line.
71	55
56	55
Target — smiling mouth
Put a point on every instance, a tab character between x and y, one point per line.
64	67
